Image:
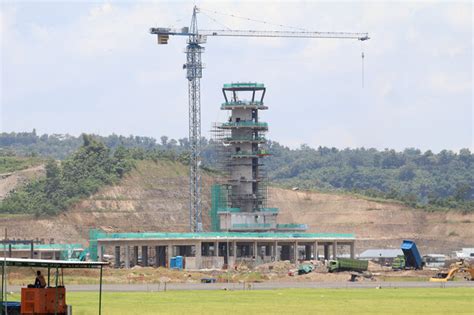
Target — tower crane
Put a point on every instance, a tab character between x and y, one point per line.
194	66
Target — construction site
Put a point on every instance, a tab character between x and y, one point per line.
185	227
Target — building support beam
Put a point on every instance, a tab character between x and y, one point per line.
135	255
198	255
315	251
307	252
144	256
255	251
127	257
276	253
117	257
326	252
295	252
100	253
352	248
169	254
334	250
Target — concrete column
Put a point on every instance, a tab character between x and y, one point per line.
277	254
315	251
307	252
334	250
117	256
157	255
169	254
255	250
135	255
127	256
144	256
352	246
198	255
234	249
100	254
216	249
326	252
295	252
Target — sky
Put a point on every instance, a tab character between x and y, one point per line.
74	67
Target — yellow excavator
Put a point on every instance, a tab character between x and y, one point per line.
461	267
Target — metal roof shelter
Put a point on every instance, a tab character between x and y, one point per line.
380	253
49	264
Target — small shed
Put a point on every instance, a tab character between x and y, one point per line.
384	257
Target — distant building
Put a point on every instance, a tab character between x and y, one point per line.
465	253
381	256
434	260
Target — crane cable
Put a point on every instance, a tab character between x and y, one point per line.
253	20
216	21
362	60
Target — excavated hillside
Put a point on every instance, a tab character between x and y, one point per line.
154	197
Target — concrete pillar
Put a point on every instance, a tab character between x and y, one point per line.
326	252
295	252
100	254
315	251
117	256
198	255
144	256
234	249
255	250
352	246
157	256
334	250
169	254
277	254
135	255
216	249
307	252
127	256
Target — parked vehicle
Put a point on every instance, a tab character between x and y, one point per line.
399	263
348	264
412	255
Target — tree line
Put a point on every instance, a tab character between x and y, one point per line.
420	179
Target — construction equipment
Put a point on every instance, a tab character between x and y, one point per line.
412	255
399	263
194	66
458	267
348	264
305	269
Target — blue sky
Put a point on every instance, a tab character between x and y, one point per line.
73	67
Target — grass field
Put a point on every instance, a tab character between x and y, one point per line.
285	301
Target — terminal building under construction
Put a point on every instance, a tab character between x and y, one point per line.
244	228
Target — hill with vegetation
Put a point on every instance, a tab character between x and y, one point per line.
427	180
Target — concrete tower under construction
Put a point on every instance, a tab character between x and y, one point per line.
239	203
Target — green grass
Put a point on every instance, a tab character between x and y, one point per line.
14	163
285	301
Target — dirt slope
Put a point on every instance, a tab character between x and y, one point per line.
9	181
376	224
154	197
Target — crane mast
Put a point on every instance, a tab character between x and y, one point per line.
194	66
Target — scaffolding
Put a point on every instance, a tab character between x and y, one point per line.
240	147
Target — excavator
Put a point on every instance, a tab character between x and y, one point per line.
460	266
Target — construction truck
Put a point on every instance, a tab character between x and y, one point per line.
348	264
399	263
458	267
411	258
305	269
